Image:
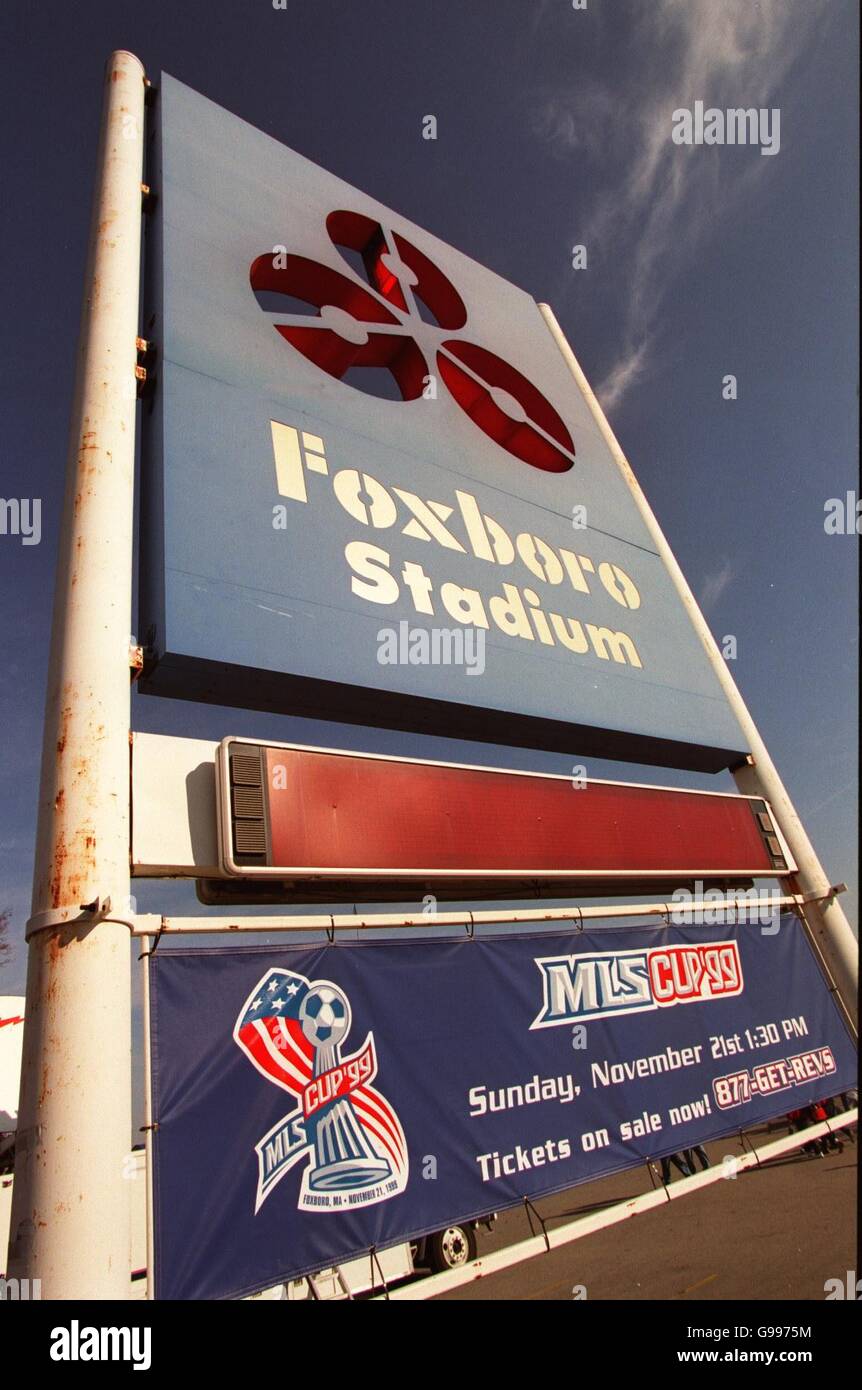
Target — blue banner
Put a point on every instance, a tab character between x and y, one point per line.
314	1102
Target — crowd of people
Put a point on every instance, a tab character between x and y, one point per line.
815	1113
684	1161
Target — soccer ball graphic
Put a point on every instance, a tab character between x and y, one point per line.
324	1017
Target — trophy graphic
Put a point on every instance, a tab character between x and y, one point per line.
343	1156
341	1127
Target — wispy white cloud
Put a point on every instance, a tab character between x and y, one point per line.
576	122
714	586
624	373
665	198
846	791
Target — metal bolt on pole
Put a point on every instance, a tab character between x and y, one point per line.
70	1209
824	919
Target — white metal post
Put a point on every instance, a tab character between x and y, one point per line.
70	1212
824	917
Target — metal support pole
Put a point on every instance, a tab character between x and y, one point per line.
70	1210
739	907
825	922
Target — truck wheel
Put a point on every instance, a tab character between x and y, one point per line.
451	1248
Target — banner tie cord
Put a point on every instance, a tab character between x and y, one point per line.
374	1261
529	1208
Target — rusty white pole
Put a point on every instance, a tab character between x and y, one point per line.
824	918
70	1209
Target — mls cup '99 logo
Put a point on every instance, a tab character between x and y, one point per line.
399	320
292	1030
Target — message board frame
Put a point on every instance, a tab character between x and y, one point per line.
370	818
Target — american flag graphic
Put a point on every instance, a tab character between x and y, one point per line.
270	1033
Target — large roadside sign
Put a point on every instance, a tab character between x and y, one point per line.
362	443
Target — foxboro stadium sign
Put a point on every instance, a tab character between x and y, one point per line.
354	427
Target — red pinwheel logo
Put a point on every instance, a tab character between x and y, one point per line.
397	323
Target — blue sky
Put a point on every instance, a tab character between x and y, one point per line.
553	130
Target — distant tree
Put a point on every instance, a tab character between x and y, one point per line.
5	943
7	1140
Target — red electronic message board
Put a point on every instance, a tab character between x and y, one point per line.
300	813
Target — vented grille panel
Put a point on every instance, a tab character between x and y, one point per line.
247	808
248	802
245	770
250	837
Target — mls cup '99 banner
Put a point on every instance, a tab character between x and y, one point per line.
314	1102
368	476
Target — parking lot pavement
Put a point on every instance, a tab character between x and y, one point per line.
774	1232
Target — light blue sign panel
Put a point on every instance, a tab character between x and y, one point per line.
373	491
